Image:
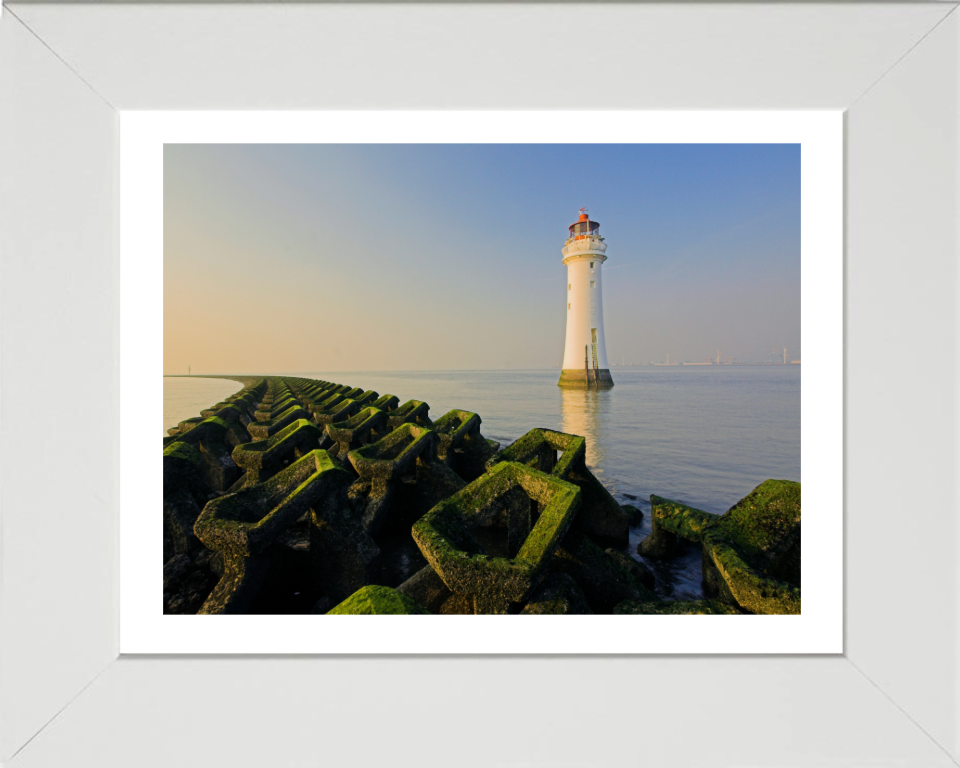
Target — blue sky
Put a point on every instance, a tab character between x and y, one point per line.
421	257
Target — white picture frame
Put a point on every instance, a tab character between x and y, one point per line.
66	697
145	629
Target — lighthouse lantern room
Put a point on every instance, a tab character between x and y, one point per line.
585	352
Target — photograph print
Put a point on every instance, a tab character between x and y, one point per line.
473	379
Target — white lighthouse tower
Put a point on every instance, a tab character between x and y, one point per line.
585	351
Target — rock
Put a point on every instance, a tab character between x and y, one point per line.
638	569
376	600
559	594
210	560
180	462
603	581
458	605
659	544
427	589
174	570
601	518
180	512
218	469
433	482
634	514
185	586
342	552
323	605
674	607
765	527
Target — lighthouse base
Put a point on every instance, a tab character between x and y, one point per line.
580	378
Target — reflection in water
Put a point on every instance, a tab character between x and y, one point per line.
590	414
586	412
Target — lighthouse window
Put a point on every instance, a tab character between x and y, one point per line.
593	283
591	265
568	306
569	286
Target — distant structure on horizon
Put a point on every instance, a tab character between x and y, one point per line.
585	352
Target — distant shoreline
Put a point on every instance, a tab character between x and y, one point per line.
240	376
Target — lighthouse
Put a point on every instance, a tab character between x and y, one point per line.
585	351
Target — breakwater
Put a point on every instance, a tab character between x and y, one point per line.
289	495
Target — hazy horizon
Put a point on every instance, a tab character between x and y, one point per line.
351	258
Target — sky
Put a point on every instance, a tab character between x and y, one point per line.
298	258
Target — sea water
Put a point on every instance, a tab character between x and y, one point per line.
701	435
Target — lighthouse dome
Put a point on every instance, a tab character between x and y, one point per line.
584	240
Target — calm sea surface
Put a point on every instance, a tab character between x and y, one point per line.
702	435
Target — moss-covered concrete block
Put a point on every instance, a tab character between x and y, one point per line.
261	430
640	570
245	526
765	527
381	465
680	519
180	512
674	608
634	514
377	601
557	595
452	428
744	584
323	406
447	535
194	432
366	398
411	412
343	410
395	453
263	457
386	403
357	430
604	582
427	589
671	521
217	469
600	516
273	410
343	555
182	487
461	445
